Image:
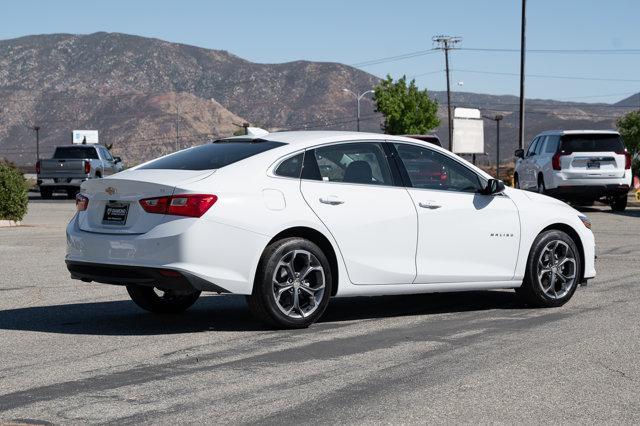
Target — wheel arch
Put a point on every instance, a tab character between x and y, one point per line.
567	229
319	239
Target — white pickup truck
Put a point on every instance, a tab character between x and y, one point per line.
579	166
71	165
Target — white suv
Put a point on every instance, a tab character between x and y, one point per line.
579	166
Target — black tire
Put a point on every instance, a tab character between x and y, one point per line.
619	204
46	193
71	193
542	189
272	267
516	181
168	303
533	290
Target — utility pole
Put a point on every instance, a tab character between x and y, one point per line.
37	130
447	43
522	57
358	99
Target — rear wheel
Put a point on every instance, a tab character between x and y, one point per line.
161	301
46	193
619	204
293	284
553	270
516	181
541	186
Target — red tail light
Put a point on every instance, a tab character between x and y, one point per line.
82	203
627	158
38	167
191	205
555	160
87	167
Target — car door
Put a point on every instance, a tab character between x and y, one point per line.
528	164
108	164
354	192
463	236
538	160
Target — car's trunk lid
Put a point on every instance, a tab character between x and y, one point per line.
114	206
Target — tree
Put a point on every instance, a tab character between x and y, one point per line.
406	109
629	128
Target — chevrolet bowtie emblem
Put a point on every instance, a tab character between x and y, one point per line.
110	190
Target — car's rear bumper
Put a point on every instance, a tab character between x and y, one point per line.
209	255
588	191
60	183
167	279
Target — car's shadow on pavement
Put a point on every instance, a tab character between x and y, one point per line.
230	313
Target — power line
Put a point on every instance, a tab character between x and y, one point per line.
393	58
564	77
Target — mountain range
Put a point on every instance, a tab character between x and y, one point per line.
148	97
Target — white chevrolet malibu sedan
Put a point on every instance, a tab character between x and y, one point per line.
292	219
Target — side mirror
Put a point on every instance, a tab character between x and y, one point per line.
117	160
494	186
519	153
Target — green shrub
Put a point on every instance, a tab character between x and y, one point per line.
13	193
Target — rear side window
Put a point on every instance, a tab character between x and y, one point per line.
211	156
291	167
592	143
75	152
358	162
552	144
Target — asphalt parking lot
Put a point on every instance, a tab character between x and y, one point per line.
73	352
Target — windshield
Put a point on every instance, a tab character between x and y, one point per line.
75	152
592	143
211	156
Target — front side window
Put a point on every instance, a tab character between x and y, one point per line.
428	169
541	143
358	162
211	156
532	148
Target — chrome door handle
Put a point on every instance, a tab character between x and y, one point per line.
428	205
332	201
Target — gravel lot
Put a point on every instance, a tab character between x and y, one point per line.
74	353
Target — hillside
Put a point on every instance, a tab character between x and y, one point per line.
134	90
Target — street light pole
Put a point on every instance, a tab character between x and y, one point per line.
358	99
37	130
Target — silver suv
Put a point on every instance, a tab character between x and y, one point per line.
579	166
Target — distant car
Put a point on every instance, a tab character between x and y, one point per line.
71	165
578	166
292	219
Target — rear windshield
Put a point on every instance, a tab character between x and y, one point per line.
591	143
75	152
211	156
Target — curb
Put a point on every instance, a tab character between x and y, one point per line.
8	223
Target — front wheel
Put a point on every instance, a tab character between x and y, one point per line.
553	270
161	301
542	189
292	285
619	204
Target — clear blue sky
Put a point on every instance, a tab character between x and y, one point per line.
356	31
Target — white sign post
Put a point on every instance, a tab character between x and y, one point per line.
468	131
85	136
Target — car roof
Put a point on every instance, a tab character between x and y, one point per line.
304	138
578	132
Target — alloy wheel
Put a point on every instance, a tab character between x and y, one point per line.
556	269
298	283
